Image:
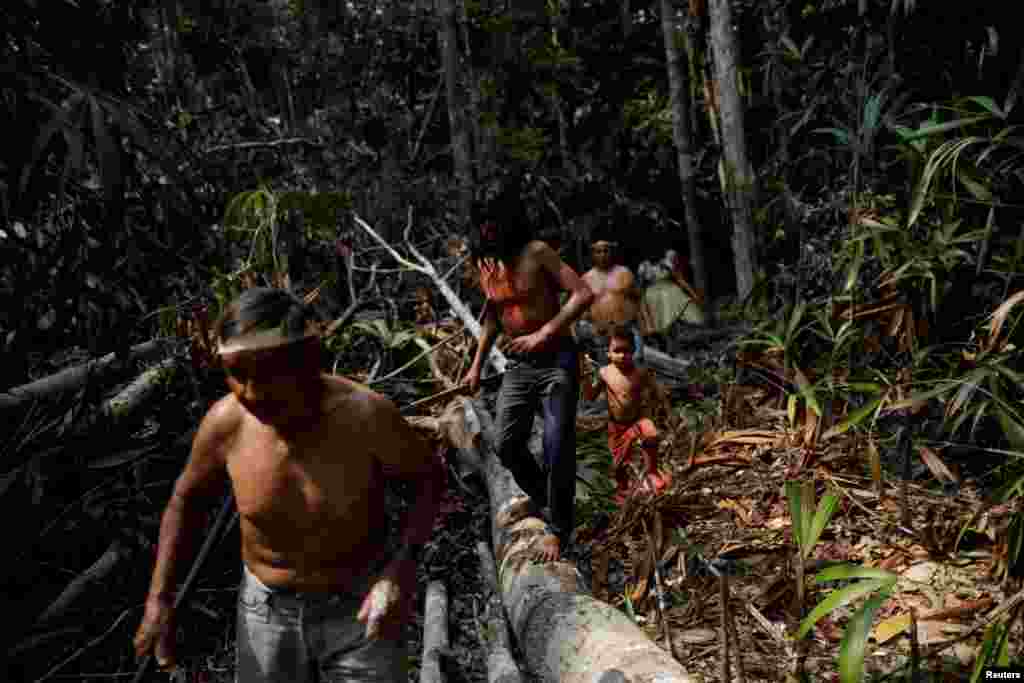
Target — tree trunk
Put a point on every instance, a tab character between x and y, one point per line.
682	135
74	378
501	667
735	170
435	632
564	634
460	133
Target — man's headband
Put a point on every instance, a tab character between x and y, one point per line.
604	243
257	340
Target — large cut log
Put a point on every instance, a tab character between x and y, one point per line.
563	633
435	633
501	667
664	364
71	379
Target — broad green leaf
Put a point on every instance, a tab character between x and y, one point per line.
854	418
848	572
944	127
1013	430
841	136
975	187
854	271
855	640
826	508
836	599
988	104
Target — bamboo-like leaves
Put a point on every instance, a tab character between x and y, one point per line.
808	523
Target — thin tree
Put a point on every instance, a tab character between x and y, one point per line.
460	130
682	136
736	173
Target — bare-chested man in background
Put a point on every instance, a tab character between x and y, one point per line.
522	279
322	597
616	303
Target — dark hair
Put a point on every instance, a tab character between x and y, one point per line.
499	201
622	332
263	308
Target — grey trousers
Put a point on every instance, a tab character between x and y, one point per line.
291	637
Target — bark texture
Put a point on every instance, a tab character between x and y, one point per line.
435	632
563	633
736	173
76	377
682	136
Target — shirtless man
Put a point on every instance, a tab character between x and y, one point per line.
522	280
305	453
628	388
616	302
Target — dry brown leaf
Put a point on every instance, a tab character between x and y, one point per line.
1001	313
745	436
937	466
742	512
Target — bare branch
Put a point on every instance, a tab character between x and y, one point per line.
265	144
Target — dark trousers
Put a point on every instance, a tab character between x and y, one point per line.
549	381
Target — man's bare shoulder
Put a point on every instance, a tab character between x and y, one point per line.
221	424
353	400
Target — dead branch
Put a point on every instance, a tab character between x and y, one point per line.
358	300
96	573
265	144
74	378
424	267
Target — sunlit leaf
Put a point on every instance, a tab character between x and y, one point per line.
836	599
854	418
853	647
823	515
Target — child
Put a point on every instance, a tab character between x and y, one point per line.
625	384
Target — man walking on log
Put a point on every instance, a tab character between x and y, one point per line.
616	302
323	596
522	279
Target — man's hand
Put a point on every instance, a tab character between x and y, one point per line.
386	607
472	379
529	343
156	632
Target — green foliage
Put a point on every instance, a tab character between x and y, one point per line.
808	525
994	650
524	144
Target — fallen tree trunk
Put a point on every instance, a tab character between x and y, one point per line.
501	667
71	379
563	633
95	574
664	364
435	632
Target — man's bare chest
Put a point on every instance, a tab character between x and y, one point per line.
300	483
508	284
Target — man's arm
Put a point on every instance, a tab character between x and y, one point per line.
204	476
404	455
580	293
488	333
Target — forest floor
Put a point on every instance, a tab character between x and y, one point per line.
730	519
